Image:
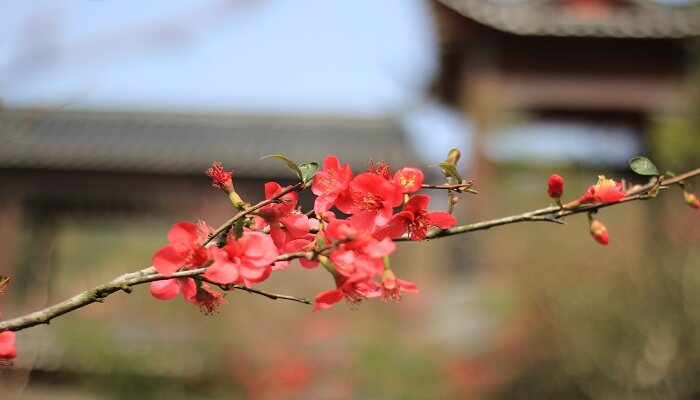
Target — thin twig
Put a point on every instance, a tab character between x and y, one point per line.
273	296
555	213
457	187
126	282
228	224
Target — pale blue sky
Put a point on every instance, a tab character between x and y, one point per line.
313	56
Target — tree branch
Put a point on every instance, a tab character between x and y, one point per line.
126	282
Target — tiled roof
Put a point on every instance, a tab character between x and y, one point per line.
634	19
187	144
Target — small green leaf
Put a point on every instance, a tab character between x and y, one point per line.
291	164
238	228
320	243
453	156
308	171
449	170
643	166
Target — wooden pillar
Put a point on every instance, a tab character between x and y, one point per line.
10	231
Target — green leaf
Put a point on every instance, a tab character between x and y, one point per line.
308	171
291	164
449	170
643	166
238	228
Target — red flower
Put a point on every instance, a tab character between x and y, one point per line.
380	169
7	345
415	220
353	289
391	286
409	179
357	252
330	183
221	178
599	232
555	186
208	300
289	229
370	200
605	191
185	249
169	288
245	260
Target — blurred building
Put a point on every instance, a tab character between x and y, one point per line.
596	67
131	165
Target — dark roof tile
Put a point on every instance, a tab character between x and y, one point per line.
188	144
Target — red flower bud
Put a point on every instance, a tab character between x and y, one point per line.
691	199
555	186
599	232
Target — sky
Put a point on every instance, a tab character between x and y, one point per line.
362	58
358	57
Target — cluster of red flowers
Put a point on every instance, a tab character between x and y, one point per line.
354	250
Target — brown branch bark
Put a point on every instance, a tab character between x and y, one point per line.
127	281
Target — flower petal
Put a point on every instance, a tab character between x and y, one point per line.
167	260
441	219
165	290
328	298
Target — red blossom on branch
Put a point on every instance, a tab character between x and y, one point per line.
605	191
392	287
370	200
409	179
330	183
415	219
220	178
184	249
353	289
245	260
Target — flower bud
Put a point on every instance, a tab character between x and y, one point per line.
691	199
555	186
453	156
599	232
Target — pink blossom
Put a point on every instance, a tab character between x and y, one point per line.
353	289
415	219
604	191
185	250
329	183
370	200
245	260
289	229
169	288
409	179
7	345
392	287
220	178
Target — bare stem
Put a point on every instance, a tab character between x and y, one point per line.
126	282
228	224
